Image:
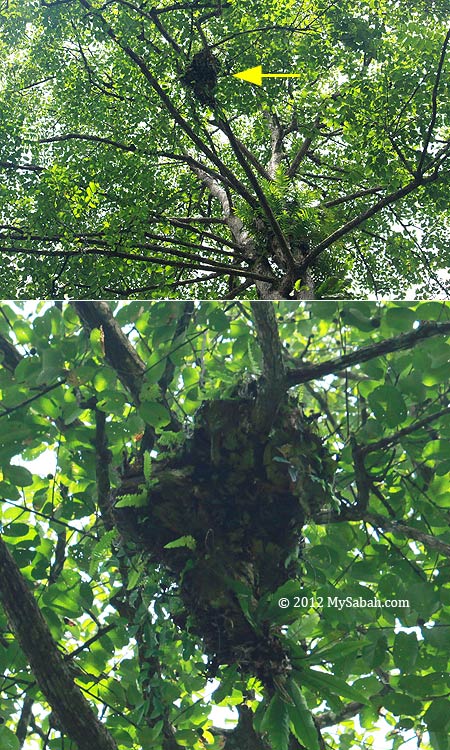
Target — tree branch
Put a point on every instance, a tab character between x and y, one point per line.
433	104
243	736
102	462
393	197
51	672
330	718
272	384
120	354
301	153
271	218
253	160
173	111
208	265
125	292
365	353
396	527
183	321
25	719
361	478
11	357
21	167
235	224
396	436
353	196
276	141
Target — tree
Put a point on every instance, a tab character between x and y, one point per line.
136	166
251	493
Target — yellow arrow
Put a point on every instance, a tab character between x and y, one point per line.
255	75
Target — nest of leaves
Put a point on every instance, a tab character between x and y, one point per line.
201	76
223	514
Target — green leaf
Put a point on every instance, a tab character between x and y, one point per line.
344	648
301	718
430	311
8	740
16	530
96	339
155	731
147	466
244	595
437	716
63	601
270	609
154	414
229	677
388	405
218	319
439	740
276	723
361	316
18	475
401	704
319	681
406	649
138	500
112	402
98	552
133	578
182	541
400	318
421	686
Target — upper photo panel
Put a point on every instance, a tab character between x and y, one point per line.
220	149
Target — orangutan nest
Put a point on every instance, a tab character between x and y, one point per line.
241	498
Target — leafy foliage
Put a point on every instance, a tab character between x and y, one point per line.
117	606
135	165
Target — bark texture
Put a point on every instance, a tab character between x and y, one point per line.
47	664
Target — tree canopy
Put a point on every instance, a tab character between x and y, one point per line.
135	165
202	504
